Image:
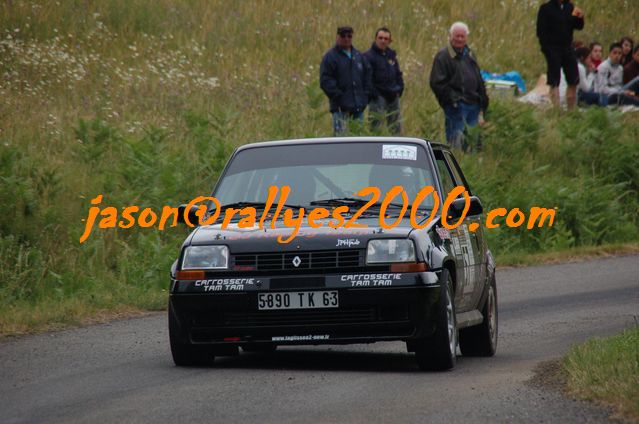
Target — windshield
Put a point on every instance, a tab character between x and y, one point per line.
326	171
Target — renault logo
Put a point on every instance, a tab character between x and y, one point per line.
297	261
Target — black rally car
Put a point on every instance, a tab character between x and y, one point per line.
433	288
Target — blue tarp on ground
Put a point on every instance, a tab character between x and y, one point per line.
512	76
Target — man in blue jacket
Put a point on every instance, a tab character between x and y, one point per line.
345	77
388	84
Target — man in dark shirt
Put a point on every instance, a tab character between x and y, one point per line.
388	84
631	70
345	78
457	83
556	21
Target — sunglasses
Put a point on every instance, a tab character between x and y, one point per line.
347	35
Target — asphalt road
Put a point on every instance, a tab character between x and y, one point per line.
123	372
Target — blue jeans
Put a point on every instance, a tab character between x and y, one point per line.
341	121
380	110
588	98
457	120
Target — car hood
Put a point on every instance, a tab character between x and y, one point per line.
308	238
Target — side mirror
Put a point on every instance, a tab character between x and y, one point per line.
191	214
457	207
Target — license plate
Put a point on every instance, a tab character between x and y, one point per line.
297	300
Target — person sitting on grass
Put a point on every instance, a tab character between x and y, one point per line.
627	44
596	54
586	94
631	70
609	81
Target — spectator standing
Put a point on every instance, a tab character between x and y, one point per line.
345	78
457	83
609	81
556	21
631	70
388	84
596	54
627	44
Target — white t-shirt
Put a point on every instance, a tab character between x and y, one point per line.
586	79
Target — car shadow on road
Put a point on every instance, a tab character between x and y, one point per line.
307	359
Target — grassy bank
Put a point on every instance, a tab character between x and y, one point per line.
143	102
607	371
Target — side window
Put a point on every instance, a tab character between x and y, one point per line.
459	176
447	180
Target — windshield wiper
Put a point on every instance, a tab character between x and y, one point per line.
339	201
244	205
353	204
393	205
257	205
351	201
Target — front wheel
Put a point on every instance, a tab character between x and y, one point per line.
438	352
481	340
184	353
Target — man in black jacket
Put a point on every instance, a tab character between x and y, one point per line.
556	20
388	84
457	83
345	77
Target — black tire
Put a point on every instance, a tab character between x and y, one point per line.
186	354
438	353
260	348
481	340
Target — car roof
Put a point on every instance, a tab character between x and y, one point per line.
330	140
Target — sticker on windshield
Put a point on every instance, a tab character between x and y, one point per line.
396	151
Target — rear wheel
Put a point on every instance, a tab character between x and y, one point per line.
438	352
481	340
186	354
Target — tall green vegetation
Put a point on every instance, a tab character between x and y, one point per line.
143	101
582	163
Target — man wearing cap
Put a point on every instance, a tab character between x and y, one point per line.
388	84
345	77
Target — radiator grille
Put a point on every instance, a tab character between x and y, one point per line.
316	260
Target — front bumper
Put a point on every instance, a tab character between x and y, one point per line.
397	308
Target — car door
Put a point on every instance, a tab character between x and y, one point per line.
477	240
460	240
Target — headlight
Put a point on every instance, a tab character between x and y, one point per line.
206	257
390	250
